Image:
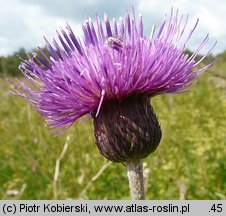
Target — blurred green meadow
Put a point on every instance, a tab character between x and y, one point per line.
190	162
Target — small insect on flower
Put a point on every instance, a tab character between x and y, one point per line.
115	43
112	73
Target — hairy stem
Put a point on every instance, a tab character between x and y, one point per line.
136	181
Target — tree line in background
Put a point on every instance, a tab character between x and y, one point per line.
9	64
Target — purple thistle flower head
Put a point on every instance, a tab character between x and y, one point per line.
111	73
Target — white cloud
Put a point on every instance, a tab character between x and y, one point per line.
211	14
25	25
24	22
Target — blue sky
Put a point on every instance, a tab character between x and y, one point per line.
23	23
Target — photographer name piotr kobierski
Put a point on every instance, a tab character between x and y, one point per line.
52	208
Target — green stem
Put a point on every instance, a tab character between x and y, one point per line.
136	181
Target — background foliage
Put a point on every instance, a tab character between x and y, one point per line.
190	162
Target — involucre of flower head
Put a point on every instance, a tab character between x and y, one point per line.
127	129
112	61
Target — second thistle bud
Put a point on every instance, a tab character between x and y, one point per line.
127	129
